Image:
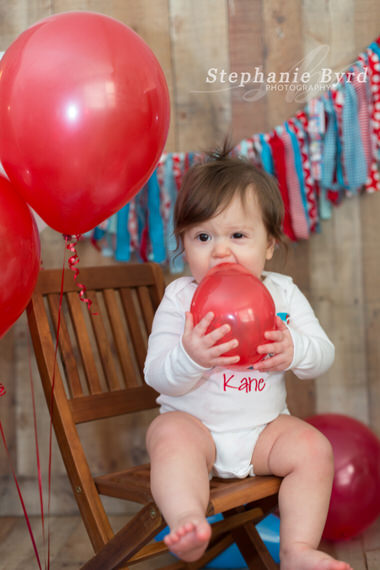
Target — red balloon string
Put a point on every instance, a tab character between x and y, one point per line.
20	496
2	393
36	444
52	410
71	242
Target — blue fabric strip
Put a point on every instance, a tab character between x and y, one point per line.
266	155
123	252
98	233
141	215
374	46
328	162
155	224
354	157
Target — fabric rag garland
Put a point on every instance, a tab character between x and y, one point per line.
329	150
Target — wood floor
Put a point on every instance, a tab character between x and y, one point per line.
70	547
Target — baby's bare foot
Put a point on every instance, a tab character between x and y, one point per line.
304	558
189	539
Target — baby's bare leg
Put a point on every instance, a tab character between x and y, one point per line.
291	448
182	453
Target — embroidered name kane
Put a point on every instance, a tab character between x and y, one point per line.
246	384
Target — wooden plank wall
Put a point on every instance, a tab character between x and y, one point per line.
337	269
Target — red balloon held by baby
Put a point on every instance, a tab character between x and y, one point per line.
241	300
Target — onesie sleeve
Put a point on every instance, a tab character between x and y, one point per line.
168	367
313	351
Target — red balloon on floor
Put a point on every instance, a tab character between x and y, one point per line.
355	499
84	115
240	299
20	255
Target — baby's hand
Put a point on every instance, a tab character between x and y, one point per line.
282	349
201	346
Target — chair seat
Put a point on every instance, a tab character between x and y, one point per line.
133	484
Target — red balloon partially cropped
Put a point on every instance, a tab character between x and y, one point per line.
20	255
355	498
238	298
84	116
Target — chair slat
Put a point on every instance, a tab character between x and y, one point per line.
120	338
66	347
146	307
158	288
84	343
103	344
133	321
107	277
109	404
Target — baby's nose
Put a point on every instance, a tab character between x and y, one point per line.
221	249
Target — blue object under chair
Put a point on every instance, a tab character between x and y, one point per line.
269	531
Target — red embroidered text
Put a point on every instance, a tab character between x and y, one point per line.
246	384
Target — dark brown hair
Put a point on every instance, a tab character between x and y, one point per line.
208	188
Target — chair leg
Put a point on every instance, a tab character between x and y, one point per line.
135	534
253	549
248	540
234	521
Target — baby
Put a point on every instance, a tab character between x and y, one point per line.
230	211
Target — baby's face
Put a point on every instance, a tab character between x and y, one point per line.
236	235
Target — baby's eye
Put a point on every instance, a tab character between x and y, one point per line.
238	235
203	236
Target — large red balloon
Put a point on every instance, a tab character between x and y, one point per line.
84	116
240	299
355	498
19	255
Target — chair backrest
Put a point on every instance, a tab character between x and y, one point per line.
101	351
99	360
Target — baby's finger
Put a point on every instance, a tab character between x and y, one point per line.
274	347
217	334
281	326
226	361
274	335
204	323
189	322
224	347
273	363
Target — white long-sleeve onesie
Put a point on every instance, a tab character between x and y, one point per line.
223	399
235	405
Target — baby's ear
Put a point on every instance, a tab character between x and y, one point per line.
271	245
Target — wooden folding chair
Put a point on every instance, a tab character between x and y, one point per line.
97	374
